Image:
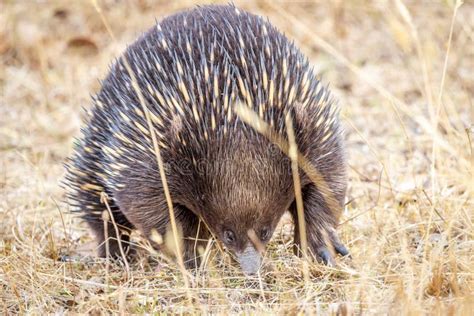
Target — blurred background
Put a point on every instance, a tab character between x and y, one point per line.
403	72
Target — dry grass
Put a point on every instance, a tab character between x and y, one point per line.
408	108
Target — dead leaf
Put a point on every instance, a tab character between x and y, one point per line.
83	46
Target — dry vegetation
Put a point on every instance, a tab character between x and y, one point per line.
406	89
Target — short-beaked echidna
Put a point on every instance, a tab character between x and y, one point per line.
192	68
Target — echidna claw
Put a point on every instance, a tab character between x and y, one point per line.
336	242
342	250
325	256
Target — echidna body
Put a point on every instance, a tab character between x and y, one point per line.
192	68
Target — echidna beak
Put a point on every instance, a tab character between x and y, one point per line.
249	260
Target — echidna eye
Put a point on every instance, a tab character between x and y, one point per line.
229	237
264	234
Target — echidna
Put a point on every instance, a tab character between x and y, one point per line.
191	69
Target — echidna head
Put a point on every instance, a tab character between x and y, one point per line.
243	198
245	232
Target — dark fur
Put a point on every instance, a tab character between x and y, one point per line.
218	168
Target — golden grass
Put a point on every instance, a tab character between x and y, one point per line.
408	110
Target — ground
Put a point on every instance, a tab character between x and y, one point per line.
403	72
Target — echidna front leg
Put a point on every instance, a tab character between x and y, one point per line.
150	214
320	224
195	236
109	237
108	241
